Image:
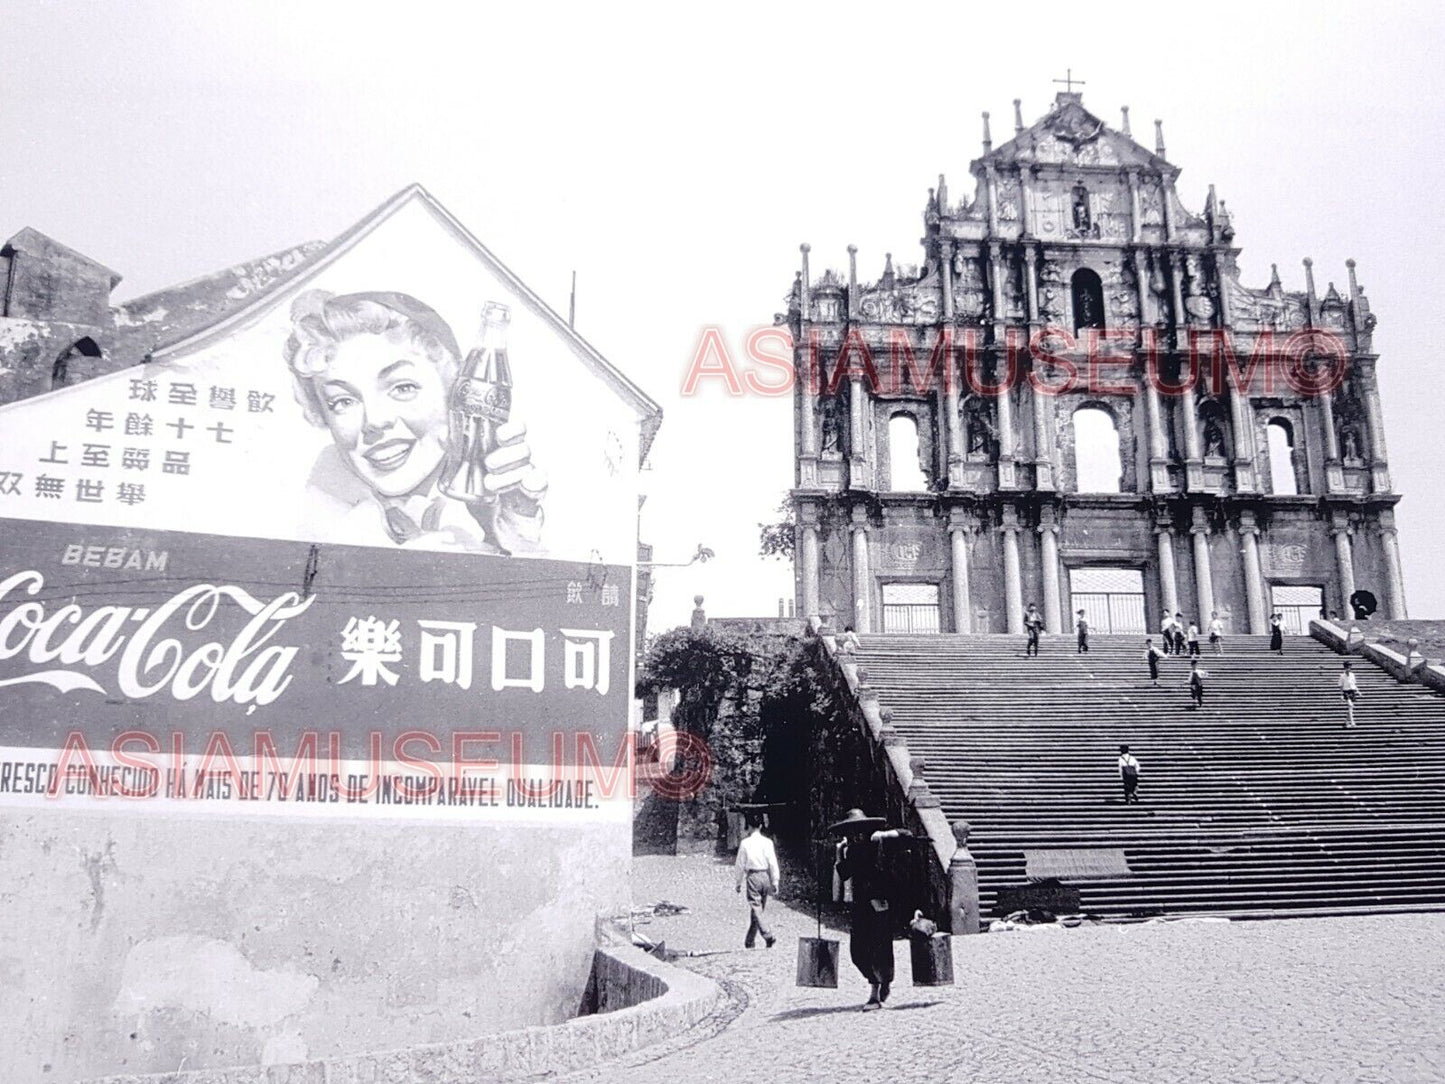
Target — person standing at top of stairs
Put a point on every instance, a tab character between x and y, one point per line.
1179	634
1276	634
1083	627
1216	633
849	643
1193	640
1166	634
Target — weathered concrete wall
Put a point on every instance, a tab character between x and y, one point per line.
647	1001
156	943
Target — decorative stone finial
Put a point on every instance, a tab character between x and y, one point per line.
1354	283
942	193
961	829
1124	109
987	136
1018	115
1274	276
1159	138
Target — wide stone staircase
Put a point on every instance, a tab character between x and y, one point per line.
1260	803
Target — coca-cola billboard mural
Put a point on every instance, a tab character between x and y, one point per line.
370	545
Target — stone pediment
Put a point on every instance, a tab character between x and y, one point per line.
1069	135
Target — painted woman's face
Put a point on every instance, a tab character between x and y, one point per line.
386	407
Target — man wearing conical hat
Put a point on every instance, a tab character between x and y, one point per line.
875	898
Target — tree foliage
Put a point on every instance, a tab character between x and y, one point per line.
776	539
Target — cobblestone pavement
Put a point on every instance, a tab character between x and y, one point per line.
1330	999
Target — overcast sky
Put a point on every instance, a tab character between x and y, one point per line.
675	157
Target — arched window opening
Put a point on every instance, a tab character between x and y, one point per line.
1098	467
1283	479
905	464
1088	293
60	370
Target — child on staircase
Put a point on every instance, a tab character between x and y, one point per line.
1196	684
1152	655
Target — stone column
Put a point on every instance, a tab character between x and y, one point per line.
1031	284
808	551
807	399
862	579
959	530
1168	580
858	473
1395	580
1203	573
1193	464
1253	579
1158	439
1345	560
1012	577
951	429
1026	213
1374	422
1043	440
1136	217
1049	558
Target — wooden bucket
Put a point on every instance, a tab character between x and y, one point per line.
818	962
931	959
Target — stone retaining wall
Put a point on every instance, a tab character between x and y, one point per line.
633	1000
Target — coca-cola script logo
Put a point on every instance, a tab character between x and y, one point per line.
244	671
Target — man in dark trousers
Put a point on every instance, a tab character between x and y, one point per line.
1152	656
1033	625
1129	775
1083	626
863	859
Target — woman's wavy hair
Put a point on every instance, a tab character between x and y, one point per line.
322	321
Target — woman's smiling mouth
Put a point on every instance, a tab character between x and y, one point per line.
389	454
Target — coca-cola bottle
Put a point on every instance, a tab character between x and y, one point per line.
481	401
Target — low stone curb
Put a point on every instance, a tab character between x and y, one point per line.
654	1000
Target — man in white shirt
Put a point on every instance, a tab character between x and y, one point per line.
757	867
1216	633
1129	775
1349	691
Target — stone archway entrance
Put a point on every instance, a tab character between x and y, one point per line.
1112	598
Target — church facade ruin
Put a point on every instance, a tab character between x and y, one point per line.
1075	402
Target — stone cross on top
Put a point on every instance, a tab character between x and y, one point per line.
1069	81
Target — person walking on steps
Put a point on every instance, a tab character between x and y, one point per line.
864	859
1083	626
1179	634
757	871
849	642
1216	633
1349	692
1276	634
1196	684
1166	634
1129	775
1152	655
1033	625
1193	638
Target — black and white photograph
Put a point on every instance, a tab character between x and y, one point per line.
643	544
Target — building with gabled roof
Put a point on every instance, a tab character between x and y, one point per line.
343	542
